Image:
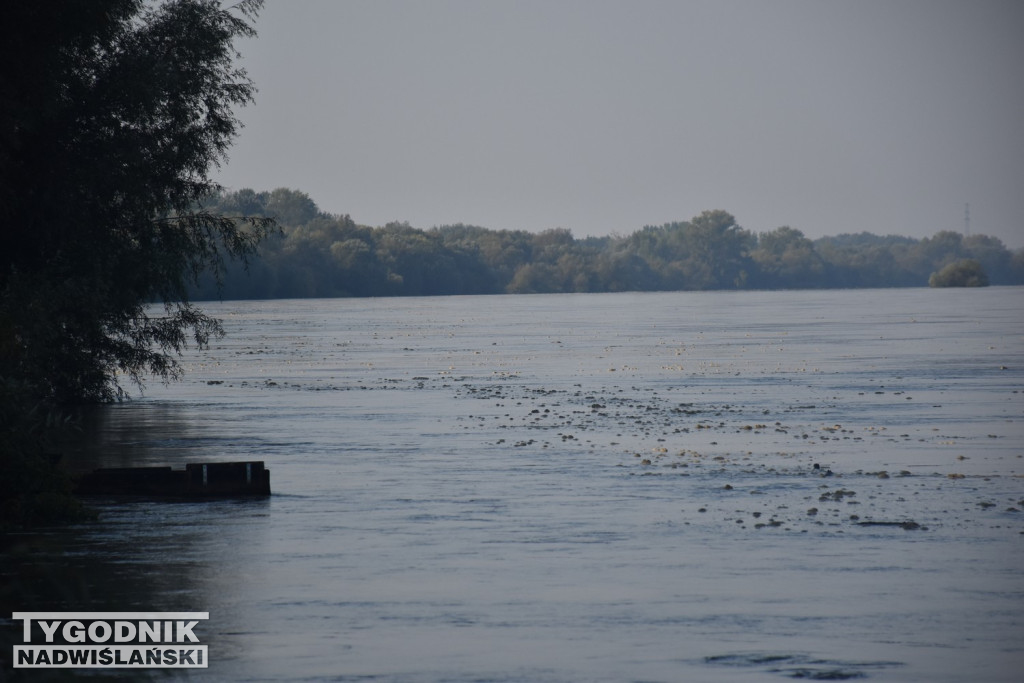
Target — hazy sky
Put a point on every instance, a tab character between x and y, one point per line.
602	117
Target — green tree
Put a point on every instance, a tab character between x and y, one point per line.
993	256
246	202
625	272
1016	274
867	260
724	247
965	273
112	115
291	207
786	258
535	278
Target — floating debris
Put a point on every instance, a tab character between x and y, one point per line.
908	525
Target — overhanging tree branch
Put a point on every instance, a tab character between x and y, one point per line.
112	116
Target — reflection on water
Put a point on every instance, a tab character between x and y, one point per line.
593	487
141	556
135	434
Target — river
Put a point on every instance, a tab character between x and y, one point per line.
613	487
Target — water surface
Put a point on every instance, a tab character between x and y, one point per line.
582	488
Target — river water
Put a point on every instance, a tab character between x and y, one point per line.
580	488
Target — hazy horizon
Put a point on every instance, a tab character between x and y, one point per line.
602	117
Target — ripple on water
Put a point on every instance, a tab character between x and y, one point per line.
801	666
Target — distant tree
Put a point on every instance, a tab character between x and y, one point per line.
323	255
868	260
941	248
626	271
291	207
113	113
244	202
965	273
502	253
718	250
1017	268
536	278
994	257
786	258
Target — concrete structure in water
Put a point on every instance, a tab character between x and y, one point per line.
197	480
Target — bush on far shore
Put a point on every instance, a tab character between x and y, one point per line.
963	273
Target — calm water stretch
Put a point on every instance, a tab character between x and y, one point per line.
581	488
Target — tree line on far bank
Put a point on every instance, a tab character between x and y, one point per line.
325	255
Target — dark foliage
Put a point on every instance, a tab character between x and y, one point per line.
320	255
965	273
112	112
33	490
